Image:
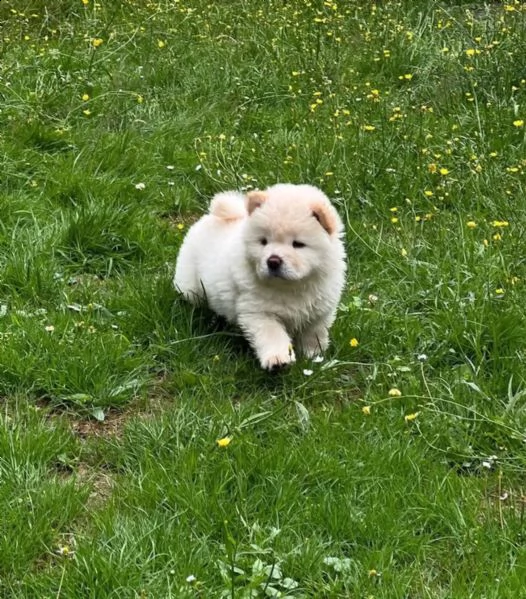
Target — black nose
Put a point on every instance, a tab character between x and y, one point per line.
274	263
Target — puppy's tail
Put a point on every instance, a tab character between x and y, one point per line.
229	205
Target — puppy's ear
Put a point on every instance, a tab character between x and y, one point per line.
255	199
326	217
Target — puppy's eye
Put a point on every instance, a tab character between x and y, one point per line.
263	241
298	244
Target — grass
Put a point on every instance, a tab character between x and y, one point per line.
393	469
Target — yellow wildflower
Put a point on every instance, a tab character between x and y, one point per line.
96	42
471	224
224	442
518	123
354	342
411	417
500	223
366	410
394	392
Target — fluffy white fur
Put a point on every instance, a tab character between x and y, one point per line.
272	262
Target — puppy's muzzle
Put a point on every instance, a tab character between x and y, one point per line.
274	264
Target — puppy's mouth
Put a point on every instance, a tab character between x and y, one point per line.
281	274
272	274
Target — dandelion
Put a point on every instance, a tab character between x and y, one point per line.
366	410
471	224
85	97
394	392
470	52
403	252
369	128
394	220
411	417
407	77
518	123
96	42
443	171
161	43
180	226
65	550
86	112
372	573
432	168
428	193
354	342
224	442
500	223
499	291
85	2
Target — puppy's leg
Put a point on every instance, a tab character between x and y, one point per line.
314	340
269	339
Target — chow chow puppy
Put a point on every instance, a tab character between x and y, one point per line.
272	262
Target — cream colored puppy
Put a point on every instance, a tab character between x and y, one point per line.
272	262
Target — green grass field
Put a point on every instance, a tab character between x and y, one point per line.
395	468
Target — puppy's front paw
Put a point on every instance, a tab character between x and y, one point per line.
313	343
274	359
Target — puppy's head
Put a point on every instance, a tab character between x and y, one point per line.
292	232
